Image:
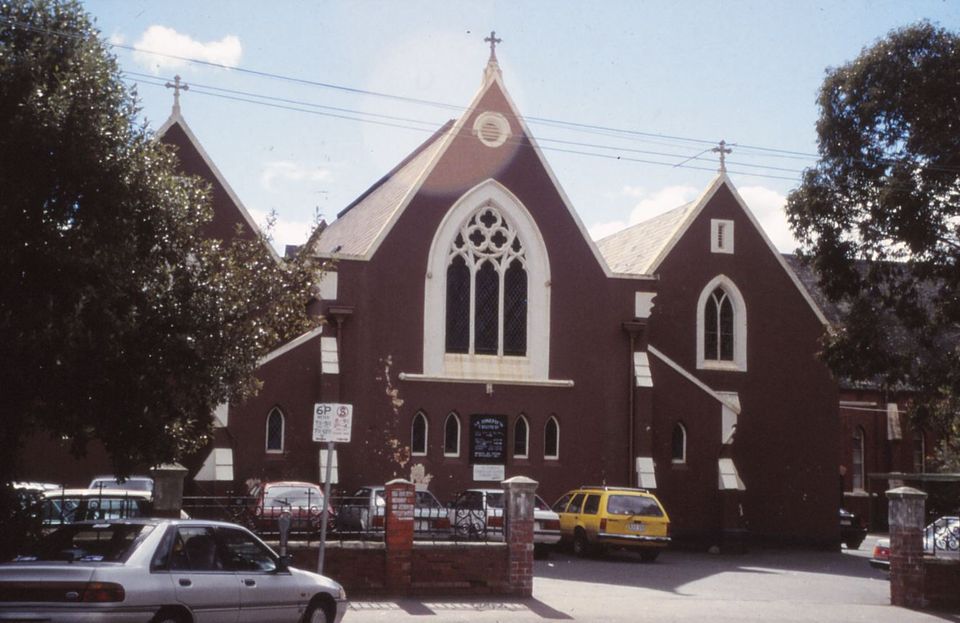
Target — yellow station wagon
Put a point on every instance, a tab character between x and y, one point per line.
595	518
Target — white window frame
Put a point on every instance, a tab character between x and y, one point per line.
426	433
526	441
739	362
436	361
721	236
456	420
283	432
556	422
683	458
857	472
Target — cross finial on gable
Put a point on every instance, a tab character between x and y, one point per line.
723	150
177	86
493	41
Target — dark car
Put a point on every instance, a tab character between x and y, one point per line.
852	529
365	512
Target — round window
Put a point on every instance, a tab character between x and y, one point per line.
492	129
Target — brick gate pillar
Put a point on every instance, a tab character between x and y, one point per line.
906	546
518	505
398	535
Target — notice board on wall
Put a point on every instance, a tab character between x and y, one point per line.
488	439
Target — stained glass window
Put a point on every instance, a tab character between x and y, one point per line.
451	436
275	431
418	434
520	437
551	439
718	327
487	293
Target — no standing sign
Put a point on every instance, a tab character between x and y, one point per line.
332	422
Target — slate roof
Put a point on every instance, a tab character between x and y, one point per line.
634	249
358	225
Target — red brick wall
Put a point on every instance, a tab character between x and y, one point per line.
940	583
436	568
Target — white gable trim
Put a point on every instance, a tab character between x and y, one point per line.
176	117
701	203
679	369
303	339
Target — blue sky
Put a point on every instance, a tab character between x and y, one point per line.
623	81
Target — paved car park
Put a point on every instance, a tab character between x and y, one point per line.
762	585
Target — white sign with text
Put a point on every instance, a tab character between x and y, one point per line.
332	422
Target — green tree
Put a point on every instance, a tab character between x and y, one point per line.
879	216
119	323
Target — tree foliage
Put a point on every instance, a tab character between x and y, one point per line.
879	215
119	323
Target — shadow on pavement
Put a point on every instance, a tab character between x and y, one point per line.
447	606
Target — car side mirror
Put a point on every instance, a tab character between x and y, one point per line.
283	564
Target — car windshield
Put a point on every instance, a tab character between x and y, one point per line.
633	505
495	500
293	496
106	542
540	504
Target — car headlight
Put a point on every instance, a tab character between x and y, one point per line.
341	594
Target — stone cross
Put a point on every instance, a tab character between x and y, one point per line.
493	41
722	149
177	86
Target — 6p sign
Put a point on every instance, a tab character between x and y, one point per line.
332	422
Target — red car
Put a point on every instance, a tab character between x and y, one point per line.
302	499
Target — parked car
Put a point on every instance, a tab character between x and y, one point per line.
303	499
941	539
478	514
63	506
131	483
595	518
365	512
164	571
852	529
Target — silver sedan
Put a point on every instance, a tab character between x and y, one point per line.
162	571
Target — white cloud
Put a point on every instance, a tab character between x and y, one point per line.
226	51
658	202
288	171
602	230
284	231
767	205
117	39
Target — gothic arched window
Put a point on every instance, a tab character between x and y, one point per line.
451	436
521	438
275	430
551	439
486	288
418	435
721	326
857	473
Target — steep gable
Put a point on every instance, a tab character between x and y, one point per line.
230	218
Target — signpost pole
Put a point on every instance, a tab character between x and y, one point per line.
328	468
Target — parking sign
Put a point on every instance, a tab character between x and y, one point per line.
332	422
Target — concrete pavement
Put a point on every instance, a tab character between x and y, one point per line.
763	585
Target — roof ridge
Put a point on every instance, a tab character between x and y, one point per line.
416	152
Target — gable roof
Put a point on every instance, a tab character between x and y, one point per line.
653	240
359	224
369	219
177	120
634	249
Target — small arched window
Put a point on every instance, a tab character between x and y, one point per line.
551	439
418	435
679	443
718	327
275	431
451	436
857	474
521	438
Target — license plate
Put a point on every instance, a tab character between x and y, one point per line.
636	527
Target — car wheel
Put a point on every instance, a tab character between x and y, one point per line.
580	546
649	555
170	616
316	614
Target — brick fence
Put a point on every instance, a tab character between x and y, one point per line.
400	566
917	581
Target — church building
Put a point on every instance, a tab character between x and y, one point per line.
479	334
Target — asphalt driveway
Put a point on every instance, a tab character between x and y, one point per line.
763	585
